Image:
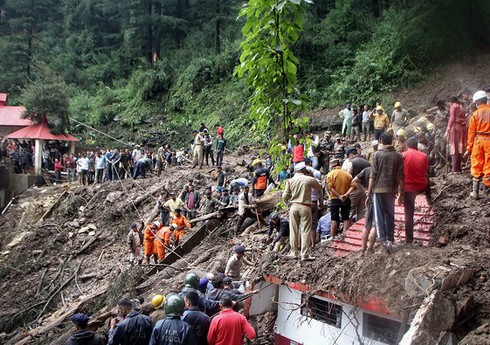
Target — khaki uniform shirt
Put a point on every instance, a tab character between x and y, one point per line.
298	189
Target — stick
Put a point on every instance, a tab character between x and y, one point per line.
59	289
40	285
8	205
88	244
101	253
52	207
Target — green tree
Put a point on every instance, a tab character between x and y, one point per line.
47	96
269	65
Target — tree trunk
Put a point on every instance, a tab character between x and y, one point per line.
217	31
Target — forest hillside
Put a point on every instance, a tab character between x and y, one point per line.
135	67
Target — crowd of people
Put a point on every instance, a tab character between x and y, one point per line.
332	181
204	312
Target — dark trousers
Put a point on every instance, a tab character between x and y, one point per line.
384	215
83	176
208	151
164	217
219	157
409	203
100	175
139	168
377	133
109	171
57	176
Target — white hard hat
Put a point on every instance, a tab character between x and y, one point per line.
300	166
479	95
375	143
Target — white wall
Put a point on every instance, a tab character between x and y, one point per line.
292	325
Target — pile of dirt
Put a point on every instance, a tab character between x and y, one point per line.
76	258
63	243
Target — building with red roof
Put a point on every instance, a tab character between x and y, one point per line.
11	117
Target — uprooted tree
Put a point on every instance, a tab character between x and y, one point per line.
269	67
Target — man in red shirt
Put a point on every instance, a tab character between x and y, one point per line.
415	165
229	327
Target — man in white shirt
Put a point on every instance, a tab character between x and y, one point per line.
82	163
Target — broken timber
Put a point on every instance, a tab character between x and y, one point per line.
52	207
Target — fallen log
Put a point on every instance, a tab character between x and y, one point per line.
30	335
52	207
88	244
213	215
59	289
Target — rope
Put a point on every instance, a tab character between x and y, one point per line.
140	217
92	128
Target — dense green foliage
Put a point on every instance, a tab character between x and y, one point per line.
168	64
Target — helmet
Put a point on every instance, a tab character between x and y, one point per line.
274	215
174	305
400	132
430	126
479	95
173	226
157	224
158	301
398	105
256	161
375	143
192	280
379	107
416	129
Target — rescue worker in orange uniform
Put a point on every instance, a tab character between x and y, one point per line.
182	225
479	143
163	240
149	240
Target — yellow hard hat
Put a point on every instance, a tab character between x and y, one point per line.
256	161
398	104
158	301
400	132
416	129
430	126
379	107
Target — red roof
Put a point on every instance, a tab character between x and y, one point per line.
40	131
423	218
11	116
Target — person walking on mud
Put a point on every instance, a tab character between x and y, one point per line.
298	194
386	177
198	150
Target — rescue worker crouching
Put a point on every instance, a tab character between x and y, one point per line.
182	225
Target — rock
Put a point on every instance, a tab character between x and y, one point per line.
112	197
81	209
74	224
434	318
70	234
92	226
82	220
91	233
443	240
85	229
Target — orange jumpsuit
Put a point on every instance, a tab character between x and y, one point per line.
182	223
479	143
149	240
163	238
